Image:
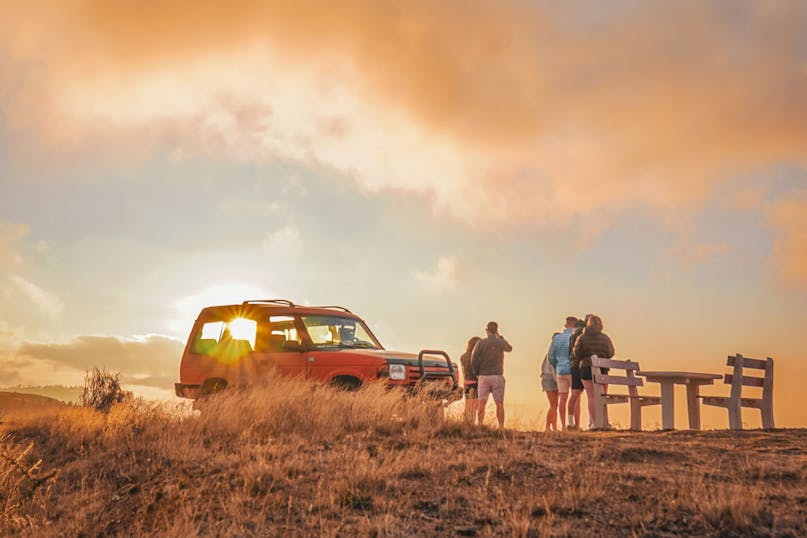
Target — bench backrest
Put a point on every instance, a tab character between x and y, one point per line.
628	380
737	379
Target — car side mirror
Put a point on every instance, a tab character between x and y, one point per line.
293	345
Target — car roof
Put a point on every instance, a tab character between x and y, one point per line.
270	307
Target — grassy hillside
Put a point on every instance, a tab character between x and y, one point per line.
292	459
12	402
57	392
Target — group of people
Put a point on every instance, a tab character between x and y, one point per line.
565	372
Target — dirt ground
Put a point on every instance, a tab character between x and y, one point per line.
333	464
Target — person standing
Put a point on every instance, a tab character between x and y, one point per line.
550	388
559	352
592	342
487	362
470	382
577	383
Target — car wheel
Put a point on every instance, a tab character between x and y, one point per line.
347	383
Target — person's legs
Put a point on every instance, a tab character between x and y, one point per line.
552	413
574	408
480	410
589	386
500	414
564	383
470	403
497	389
484	388
574	398
470	409
562	396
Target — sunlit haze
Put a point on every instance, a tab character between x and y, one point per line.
431	166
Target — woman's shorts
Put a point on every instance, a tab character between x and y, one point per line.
577	383
470	391
564	383
585	372
548	384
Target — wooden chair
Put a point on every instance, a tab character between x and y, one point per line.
602	400
735	402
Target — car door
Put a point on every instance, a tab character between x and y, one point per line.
279	346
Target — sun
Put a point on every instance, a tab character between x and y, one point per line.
188	307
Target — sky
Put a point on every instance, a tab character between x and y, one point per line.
429	165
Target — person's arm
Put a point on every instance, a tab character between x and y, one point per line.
551	354
577	350
465	364
610	347
505	344
475	360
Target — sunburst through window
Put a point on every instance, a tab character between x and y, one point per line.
243	329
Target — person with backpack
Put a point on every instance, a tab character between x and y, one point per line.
592	342
577	383
559	358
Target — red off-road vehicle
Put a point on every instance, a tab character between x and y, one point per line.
236	345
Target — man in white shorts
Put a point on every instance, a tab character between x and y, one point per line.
487	362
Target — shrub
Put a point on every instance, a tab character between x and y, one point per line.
102	390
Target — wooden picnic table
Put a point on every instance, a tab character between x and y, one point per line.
668	380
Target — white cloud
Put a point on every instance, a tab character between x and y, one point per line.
283	241
442	277
216	294
46	302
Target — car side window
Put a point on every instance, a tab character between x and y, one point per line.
208	337
274	334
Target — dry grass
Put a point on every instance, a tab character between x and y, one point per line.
297	459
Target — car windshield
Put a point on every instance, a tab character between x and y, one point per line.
339	332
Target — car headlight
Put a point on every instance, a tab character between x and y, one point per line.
397	371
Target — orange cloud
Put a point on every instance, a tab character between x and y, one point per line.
150	360
500	112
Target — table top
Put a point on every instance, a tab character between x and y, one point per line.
680	377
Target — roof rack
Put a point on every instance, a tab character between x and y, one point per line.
288	303
342	308
270	301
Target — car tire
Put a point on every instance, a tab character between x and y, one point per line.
347	383
212	386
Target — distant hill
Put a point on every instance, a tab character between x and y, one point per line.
57	392
15	401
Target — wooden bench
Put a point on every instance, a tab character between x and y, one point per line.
735	402
602	400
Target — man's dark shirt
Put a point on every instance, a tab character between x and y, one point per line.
488	355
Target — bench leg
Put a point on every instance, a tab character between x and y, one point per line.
635	414
599	407
693	407
735	417
767	415
667	406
